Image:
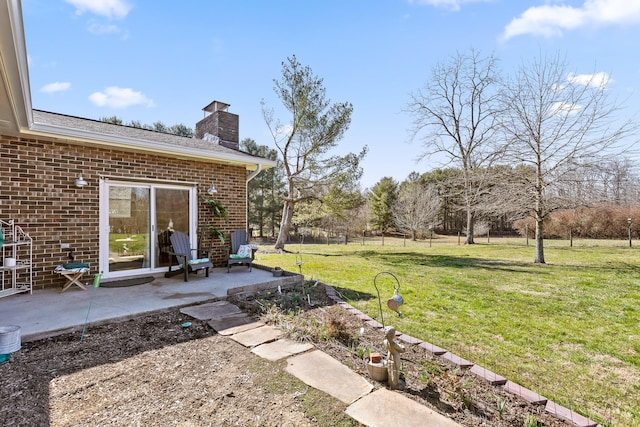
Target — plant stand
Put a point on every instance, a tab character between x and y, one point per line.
16	272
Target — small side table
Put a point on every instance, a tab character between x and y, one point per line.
73	276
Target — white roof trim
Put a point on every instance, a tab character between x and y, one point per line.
47	130
14	65
17	27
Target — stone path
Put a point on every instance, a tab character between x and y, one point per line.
319	370
386	408
280	349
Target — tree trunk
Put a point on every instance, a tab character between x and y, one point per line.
539	240
539	216
285	225
470	226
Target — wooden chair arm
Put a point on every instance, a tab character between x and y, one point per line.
198	252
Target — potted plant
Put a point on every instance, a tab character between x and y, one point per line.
219	210
277	271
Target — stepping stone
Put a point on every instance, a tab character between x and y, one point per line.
321	371
233	324
241	328
210	311
386	408
257	336
280	349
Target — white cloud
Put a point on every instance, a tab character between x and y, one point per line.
118	97
447	4
106	29
554	20
55	87
564	109
107	8
284	130
98	29
597	80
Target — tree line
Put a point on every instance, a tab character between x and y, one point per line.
158	126
433	202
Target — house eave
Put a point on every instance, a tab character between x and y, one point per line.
84	137
15	92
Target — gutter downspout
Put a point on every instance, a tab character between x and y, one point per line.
246	191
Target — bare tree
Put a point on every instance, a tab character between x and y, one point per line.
558	124
417	208
457	110
314	128
620	181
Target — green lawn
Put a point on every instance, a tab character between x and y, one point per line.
568	329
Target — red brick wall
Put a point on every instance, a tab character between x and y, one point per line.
37	189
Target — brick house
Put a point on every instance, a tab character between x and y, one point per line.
105	193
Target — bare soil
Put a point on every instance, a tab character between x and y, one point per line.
153	371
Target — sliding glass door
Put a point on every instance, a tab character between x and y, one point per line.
171	214
129	227
137	220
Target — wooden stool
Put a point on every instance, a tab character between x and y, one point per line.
73	276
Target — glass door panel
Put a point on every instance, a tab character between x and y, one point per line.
129	228
171	214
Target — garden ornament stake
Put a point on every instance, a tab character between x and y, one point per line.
96	284
299	254
395	301
299	262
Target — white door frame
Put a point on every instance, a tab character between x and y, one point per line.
104	221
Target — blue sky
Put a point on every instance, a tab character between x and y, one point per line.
165	60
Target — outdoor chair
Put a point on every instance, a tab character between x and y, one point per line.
240	251
180	248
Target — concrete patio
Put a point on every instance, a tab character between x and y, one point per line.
48	312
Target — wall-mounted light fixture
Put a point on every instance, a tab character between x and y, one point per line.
80	182
212	189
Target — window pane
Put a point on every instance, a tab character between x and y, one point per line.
172	214
128	228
